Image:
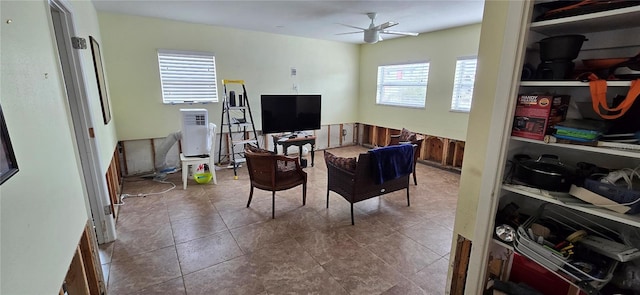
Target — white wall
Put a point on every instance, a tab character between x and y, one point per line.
440	48
42	208
263	60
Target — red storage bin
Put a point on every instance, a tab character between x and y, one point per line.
524	270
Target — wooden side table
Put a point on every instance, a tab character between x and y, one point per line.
285	142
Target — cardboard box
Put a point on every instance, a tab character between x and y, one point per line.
537	114
598	200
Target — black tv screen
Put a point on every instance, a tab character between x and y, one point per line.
290	112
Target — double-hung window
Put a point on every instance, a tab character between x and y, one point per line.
187	77
403	85
463	84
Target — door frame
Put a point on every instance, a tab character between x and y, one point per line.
95	185
506	88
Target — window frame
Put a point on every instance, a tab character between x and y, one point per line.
214	98
456	86
379	83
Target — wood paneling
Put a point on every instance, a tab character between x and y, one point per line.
436	150
85	271
76	279
113	181
461	263
91	259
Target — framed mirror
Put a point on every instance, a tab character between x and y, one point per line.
102	86
8	164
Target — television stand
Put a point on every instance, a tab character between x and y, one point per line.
286	141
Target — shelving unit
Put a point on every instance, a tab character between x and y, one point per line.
612	23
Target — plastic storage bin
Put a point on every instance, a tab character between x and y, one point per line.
555	261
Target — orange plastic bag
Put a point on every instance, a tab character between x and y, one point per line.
598	90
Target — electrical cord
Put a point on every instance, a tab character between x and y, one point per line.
625	173
123	196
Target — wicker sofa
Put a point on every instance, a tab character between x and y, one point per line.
353	180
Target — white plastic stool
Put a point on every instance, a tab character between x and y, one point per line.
195	161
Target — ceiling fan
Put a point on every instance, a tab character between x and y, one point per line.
372	34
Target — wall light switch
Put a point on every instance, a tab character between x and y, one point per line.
294	71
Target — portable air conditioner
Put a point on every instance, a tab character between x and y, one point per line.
195	132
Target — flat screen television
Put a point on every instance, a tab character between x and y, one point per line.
290	112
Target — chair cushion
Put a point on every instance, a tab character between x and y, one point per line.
348	164
406	135
258	150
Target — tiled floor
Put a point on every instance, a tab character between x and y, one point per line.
205	241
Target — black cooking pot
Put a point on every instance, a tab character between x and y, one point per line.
554	70
546	172
565	47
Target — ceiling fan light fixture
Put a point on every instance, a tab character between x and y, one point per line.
373	33
371	36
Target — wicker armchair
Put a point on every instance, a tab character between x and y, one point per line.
406	136
271	172
354	180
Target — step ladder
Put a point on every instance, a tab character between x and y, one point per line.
238	121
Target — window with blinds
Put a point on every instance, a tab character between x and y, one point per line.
187	77
463	84
403	85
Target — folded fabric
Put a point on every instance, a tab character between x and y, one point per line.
391	162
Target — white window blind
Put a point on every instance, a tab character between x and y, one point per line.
187	77
463	84
403	85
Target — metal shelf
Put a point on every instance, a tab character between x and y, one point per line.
593	149
565	200
570	83
588	23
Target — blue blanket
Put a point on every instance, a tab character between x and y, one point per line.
391	162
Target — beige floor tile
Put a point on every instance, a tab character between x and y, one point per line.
106	251
144	270
363	273
431	235
135	240
405	287
433	278
312	281
196	227
207	251
235	276
367	231
260	235
280	262
327	245
404	254
172	287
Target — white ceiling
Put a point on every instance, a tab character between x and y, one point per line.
306	18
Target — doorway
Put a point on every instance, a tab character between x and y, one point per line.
95	186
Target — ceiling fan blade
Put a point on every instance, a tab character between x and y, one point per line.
350	26
399	33
347	33
385	25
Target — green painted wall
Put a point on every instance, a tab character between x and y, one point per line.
263	60
43	210
440	48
